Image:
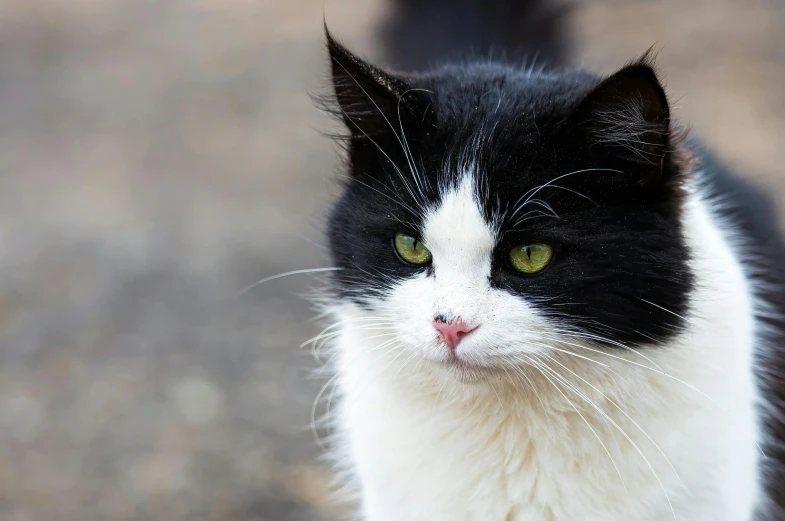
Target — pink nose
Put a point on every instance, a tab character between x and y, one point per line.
453	332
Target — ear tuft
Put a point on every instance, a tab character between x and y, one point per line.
627	115
366	95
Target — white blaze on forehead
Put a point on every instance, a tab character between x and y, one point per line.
459	237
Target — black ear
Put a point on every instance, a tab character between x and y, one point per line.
627	118
369	99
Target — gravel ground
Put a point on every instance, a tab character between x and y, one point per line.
157	158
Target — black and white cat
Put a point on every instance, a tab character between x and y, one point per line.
548	304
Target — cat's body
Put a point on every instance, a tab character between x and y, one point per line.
635	377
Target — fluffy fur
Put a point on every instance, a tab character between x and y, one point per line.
622	382
618	435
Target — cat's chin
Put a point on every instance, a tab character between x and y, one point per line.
466	371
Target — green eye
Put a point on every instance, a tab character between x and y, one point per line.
411	250
531	258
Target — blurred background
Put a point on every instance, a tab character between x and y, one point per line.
157	157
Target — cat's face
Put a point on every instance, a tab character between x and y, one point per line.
492	215
452	312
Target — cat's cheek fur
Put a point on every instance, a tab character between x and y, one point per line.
430	448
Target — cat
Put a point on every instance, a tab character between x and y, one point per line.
549	302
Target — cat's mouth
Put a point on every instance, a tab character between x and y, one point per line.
464	368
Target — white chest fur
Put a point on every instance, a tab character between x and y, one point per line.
657	434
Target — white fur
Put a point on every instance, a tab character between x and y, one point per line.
619	435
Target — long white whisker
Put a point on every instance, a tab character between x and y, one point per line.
398	202
576	355
573	191
407	150
528	216
314	407
538	188
319	347
352	321
662	308
395	166
412	357
281	275
327	331
601	339
501	405
656	371
545	205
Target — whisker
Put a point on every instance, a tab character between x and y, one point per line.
413	355
317	349
534	214
545	205
501	405
661	372
662	308
400	203
408	150
599	338
324	331
314	431
281	275
536	189
571	354
658	372
573	191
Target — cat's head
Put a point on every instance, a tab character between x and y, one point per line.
492	213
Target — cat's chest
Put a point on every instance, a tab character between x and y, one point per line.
441	458
470	470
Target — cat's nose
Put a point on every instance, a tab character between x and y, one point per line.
452	332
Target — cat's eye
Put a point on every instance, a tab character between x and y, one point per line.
531	258
411	250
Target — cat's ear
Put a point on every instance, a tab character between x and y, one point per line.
627	118
368	98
